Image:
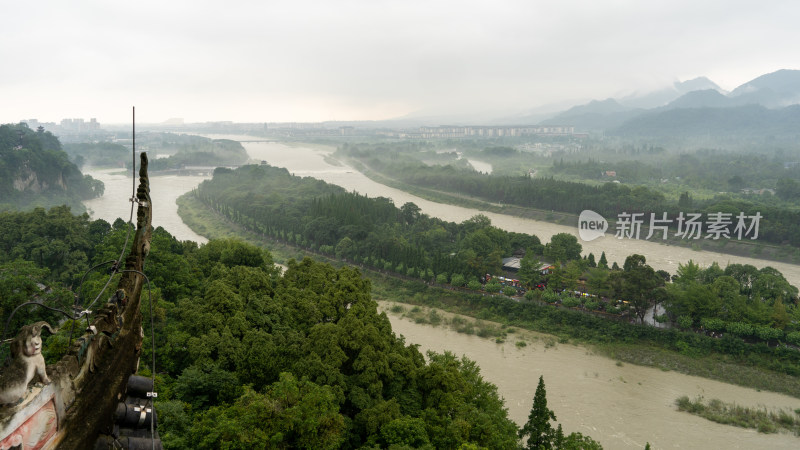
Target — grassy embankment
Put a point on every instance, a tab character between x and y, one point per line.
753	249
761	419
498	313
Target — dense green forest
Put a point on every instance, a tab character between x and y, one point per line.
247	357
777	218
740	300
34	171
42	256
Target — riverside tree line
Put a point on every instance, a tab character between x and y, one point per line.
777	225
739	299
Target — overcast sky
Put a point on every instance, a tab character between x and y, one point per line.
315	60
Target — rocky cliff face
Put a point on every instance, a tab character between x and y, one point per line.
28	180
34	171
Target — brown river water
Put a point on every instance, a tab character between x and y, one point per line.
622	407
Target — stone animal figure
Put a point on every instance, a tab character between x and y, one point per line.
26	361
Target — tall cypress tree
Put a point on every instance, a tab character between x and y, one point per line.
538	429
603	261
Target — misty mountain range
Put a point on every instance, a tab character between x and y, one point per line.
764	106
767	105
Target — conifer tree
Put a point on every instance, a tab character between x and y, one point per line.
538	429
558	441
603	263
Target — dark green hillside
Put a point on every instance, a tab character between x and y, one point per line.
34	171
741	121
247	358
305	361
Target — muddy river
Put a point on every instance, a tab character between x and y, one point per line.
621	406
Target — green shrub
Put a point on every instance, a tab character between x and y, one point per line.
793	338
570	302
712	323
739	328
493	287
550	297
767	333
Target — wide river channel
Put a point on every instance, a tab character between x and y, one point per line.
622	407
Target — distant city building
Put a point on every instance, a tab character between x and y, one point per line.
69	130
79	125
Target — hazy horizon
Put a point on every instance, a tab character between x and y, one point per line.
311	61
